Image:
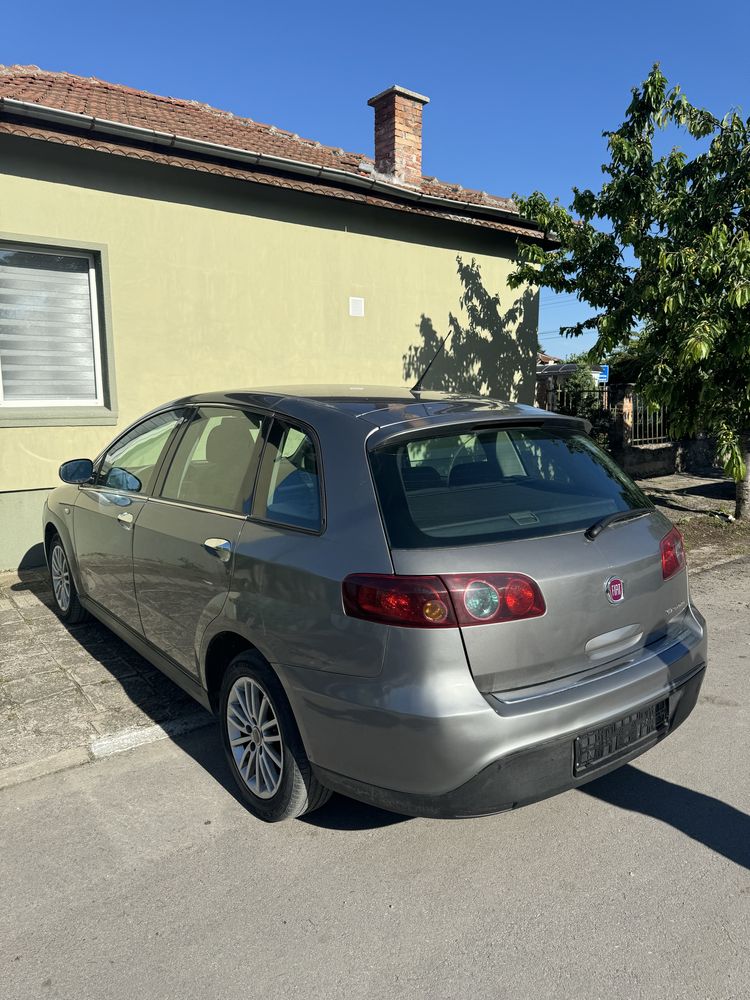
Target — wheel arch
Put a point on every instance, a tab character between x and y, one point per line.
53	525
50	529
220	651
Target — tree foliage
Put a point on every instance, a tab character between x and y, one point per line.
579	395
662	251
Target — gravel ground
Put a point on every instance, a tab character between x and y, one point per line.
701	506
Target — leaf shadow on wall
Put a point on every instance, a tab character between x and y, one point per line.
489	350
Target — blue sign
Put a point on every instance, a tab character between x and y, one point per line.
603	375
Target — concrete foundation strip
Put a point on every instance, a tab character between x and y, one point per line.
102	746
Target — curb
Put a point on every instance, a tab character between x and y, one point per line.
101	747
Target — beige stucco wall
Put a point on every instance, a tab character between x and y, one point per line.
215	283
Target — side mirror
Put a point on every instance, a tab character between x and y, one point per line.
121	479
77	471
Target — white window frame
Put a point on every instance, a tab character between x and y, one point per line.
98	401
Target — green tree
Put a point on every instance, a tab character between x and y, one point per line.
578	389
579	395
663	250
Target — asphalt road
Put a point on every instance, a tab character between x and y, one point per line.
142	877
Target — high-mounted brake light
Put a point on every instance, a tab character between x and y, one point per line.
443	602
673	557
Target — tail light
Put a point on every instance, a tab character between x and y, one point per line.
447	602
494	597
673	557
416	601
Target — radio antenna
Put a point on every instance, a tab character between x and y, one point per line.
417	387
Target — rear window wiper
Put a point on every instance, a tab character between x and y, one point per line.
622	515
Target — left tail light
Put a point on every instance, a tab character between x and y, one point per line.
442	602
494	597
673	557
416	601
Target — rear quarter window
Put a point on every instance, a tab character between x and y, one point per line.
491	484
289	490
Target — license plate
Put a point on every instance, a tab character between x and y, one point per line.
602	746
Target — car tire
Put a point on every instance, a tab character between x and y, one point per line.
263	744
64	592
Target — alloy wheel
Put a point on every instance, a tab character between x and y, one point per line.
255	737
60	577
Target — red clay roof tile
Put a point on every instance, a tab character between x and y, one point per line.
193	120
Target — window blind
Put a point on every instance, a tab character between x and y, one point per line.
48	351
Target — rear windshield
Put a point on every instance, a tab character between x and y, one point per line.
493	484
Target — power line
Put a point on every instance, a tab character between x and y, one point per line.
545	310
559	300
556	333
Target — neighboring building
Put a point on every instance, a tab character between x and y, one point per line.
543	359
552	375
151	247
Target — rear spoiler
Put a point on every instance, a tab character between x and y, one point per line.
409	429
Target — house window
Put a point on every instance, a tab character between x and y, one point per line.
50	342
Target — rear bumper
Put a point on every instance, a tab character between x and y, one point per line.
518	778
420	737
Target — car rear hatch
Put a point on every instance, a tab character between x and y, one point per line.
531	492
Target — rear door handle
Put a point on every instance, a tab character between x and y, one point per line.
219	547
126	520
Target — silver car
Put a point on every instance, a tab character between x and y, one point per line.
441	605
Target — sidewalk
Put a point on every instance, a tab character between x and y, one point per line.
63	689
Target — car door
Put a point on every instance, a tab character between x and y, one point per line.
185	538
282	590
108	508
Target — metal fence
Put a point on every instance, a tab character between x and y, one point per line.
649	426
602	404
579	401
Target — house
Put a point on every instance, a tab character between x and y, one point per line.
543	359
151	247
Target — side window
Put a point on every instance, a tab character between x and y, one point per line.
215	462
132	460
289	486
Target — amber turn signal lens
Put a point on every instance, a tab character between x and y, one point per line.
434	611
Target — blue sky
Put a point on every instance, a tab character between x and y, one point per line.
520	93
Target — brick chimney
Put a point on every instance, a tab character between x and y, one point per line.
398	134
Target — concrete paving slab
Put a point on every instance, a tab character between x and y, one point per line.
16	630
91	671
65	709
13	667
9	616
61	687
38	687
9	721
116	696
28	747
